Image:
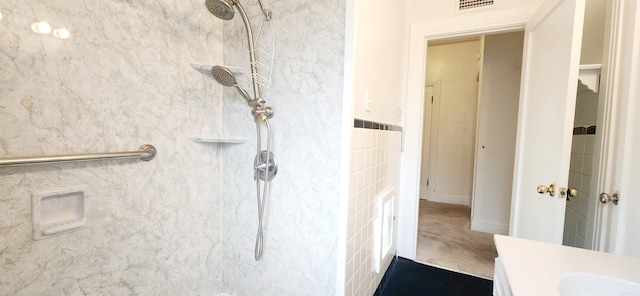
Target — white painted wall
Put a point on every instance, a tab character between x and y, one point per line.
593	32
379	54
375	52
497	121
433	10
586	107
455	67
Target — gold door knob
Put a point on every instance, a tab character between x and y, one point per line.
544	189
572	192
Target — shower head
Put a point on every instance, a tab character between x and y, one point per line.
226	78
222	9
223	76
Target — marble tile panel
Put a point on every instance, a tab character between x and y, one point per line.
120	80
301	222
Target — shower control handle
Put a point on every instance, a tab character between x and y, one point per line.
265	166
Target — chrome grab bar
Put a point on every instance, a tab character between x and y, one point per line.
146	152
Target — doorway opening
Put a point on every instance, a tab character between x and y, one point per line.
469	128
465	27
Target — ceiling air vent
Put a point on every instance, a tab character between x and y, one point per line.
472	5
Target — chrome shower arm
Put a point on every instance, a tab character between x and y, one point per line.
252	50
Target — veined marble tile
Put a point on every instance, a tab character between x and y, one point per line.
120	80
301	224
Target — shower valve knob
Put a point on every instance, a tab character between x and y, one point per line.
265	166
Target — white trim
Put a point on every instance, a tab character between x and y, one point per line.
624	240
479	101
608	101
489	227
542	13
458	26
345	149
450	199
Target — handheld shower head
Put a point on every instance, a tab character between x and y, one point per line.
223	76
226	78
222	9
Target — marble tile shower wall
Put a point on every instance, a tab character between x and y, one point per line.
120	80
375	159
302	217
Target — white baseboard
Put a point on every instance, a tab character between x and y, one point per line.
489	227
450	199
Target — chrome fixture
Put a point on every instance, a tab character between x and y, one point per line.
146	153
226	78
223	9
605	198
265	167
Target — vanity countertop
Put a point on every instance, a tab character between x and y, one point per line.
535	268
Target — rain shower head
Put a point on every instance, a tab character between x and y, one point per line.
226	78
222	9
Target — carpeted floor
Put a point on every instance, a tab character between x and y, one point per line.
407	278
446	240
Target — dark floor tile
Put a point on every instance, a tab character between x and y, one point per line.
408	278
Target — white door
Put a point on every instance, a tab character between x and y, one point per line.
426	141
496	132
547	102
622	234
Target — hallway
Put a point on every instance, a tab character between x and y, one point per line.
446	240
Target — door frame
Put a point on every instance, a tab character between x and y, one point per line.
459	26
503	22
621	49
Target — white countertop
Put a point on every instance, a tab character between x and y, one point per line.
535	268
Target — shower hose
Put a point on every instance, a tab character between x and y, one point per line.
262	190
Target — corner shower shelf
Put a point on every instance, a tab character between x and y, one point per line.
206	69
203	68
218	140
263	76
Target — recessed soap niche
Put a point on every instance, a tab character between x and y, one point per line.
58	212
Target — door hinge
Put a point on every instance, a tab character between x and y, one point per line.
427	182
431	99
